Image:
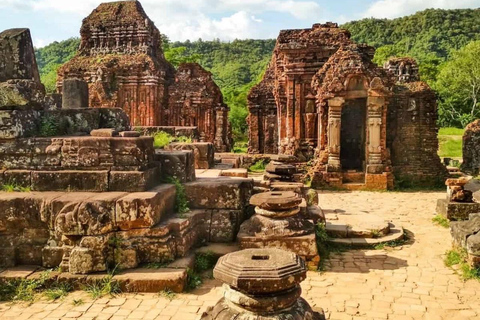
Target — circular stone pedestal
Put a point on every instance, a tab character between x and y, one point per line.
261	284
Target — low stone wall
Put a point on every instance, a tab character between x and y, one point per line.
84	232
79	163
203	152
189	132
24	123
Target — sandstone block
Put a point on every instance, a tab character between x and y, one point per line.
52	256
82	261
130	134
236	173
177	164
225	224
456	211
104	133
75	94
152	280
70	180
203	152
17	123
133	181
227	194
145	209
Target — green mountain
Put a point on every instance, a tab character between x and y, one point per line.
429	36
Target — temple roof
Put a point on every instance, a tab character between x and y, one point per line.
319	35
117	13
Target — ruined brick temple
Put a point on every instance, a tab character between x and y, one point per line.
323	98
121	58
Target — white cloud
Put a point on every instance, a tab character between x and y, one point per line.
181	20
398	8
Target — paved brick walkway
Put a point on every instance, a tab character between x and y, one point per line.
405	283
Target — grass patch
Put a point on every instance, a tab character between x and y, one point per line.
194	279
162	139
29	290
78	302
240	147
181	202
441	221
13	187
258	167
204	262
450	142
59	291
103	287
459	257
168	294
451	131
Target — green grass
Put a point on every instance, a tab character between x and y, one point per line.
162	139
181	201
168	294
58	291
258	167
451	132
441	221
450	142
29	290
103	287
459	257
240	147
13	187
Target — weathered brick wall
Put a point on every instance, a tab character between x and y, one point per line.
412	135
196	100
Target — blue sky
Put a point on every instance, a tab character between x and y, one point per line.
54	20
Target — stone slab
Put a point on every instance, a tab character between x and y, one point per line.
304	246
237	173
220	193
19	272
133	181
70	180
145	209
152	280
456	211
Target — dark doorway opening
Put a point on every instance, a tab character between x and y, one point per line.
353	132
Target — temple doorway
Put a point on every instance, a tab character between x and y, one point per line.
353	135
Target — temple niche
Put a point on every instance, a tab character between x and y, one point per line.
121	59
326	100
195	100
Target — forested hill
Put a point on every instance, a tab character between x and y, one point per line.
429	36
432	33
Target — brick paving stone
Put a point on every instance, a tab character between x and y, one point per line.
410	282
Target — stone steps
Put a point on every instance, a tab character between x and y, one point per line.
134	280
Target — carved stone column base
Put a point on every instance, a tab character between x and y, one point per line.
375	168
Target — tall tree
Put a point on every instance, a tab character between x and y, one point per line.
459	86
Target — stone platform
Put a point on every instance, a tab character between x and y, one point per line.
360	229
456	211
85	232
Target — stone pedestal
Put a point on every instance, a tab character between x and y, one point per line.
279	224
459	203
261	284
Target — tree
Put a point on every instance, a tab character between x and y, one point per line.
459	86
177	56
